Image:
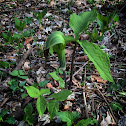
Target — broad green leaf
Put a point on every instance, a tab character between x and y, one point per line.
41	105
44	91
2	113
23	77
99	58
21	72
14	73
66	116
32	91
62	59
116	18
62	95
53	108
43	83
76	115
28	109
54	39
55	42
54	75
19	25
103	21
26	34
69	39
22	83
17	36
80	22
10	120
61	82
86	122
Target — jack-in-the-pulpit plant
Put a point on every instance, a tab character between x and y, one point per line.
79	23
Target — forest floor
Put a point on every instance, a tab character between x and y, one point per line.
91	96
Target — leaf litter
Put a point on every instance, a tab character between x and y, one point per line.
57	19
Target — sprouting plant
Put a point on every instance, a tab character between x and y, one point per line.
14	83
56	41
41	104
39	16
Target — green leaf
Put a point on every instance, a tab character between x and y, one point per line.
26	34
32	91
116	18
21	72
2	113
19	25
54	75
23	77
24	96
28	109
54	39
55	42
116	106
39	16
66	116
53	108
22	83
61	82
10	120
122	93
99	58
62	95
44	91
69	39
41	105
80	22
14	73
103	21
86	122
76	115
43	83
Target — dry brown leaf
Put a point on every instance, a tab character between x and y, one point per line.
49	85
27	40
98	79
81	58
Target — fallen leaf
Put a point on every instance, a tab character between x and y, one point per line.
98	79
27	40
81	58
49	85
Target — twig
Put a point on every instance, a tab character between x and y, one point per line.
22	61
107	104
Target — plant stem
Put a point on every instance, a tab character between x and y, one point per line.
71	73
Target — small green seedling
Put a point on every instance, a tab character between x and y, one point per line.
41	105
68	117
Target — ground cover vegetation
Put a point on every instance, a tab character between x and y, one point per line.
62	63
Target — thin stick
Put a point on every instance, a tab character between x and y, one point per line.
107	104
71	73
